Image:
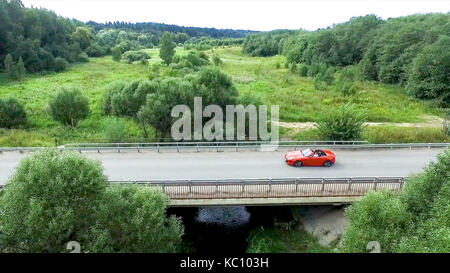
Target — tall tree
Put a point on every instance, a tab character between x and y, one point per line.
10	67
20	68
166	48
84	36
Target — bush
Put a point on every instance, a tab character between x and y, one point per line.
319	85
50	200
83	57
60	64
191	60
303	70
277	240
96	50
420	191
293	68
133	219
380	217
116	53
343	123
346	88
125	99
158	107
12	113
115	130
217	61
69	106
316	69
133	56
215	87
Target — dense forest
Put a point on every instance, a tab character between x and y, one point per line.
157	29
411	51
34	40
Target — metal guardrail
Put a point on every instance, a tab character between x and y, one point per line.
197	146
269	188
158	146
235	145
272	188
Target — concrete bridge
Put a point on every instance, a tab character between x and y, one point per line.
260	192
280	191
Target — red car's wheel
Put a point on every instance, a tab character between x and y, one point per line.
298	164
327	163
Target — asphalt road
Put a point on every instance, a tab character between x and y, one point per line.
215	165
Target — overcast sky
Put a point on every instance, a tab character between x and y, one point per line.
237	14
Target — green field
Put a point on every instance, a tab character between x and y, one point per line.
264	77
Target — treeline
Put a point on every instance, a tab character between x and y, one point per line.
205	43
411	51
267	43
157	29
38	38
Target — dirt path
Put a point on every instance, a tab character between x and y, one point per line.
429	122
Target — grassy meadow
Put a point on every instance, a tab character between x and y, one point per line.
264	77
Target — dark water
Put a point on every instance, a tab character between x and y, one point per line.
225	229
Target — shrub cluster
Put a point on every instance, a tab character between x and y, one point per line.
12	114
342	123
151	102
69	106
125	99
192	60
133	56
56	197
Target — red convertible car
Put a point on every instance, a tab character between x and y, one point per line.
309	157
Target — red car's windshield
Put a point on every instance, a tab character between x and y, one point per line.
307	152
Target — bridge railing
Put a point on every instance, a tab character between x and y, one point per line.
269	188
228	146
272	188
236	145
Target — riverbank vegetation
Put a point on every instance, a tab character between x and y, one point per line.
285	238
416	220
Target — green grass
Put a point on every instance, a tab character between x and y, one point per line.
260	77
300	101
392	134
279	240
383	134
35	92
